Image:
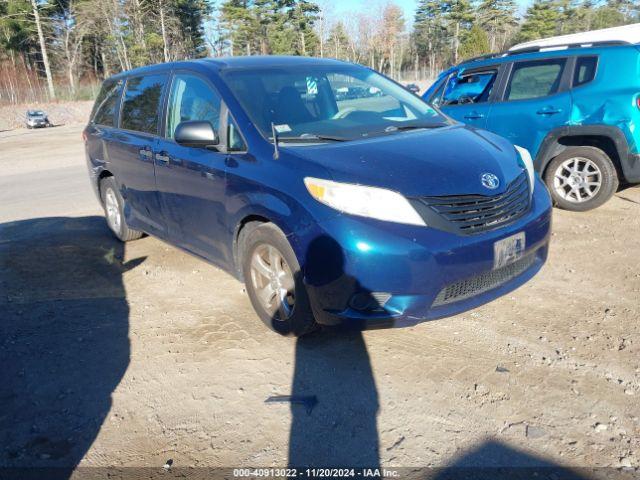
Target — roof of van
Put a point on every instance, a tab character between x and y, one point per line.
222	63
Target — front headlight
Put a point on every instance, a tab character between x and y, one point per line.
371	202
527	163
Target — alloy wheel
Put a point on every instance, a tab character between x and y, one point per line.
113	210
273	282
577	180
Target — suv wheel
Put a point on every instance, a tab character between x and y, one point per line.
273	281
581	178
113	204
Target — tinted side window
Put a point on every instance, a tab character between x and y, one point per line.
469	88
585	70
235	141
535	79
104	110
141	106
192	99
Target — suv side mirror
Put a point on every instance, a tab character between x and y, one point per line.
196	133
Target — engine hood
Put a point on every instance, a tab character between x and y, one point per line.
443	161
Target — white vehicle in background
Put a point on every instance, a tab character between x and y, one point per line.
37	119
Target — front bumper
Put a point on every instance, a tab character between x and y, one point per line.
349	259
37	124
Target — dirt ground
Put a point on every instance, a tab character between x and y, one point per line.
130	355
60	113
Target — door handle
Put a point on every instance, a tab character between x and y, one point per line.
474	116
145	153
549	111
163	158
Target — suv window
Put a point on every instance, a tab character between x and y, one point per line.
585	70
104	111
474	87
141	106
535	79
192	99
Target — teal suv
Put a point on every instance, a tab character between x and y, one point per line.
575	108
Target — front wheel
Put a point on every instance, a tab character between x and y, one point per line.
273	281
113	205
581	179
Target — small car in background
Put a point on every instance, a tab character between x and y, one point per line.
37	119
413	88
334	193
572	101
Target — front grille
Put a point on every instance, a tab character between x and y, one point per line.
484	282
468	214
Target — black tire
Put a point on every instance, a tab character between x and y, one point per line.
608	178
257	235
121	230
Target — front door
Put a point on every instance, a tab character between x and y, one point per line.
191	181
466	95
534	102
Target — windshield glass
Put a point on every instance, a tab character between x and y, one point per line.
328	102
35	113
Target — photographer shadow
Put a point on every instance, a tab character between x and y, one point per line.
334	395
64	334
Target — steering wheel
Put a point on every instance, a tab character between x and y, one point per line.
465	99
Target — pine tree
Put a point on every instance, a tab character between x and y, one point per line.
429	32
460	16
498	19
540	21
475	44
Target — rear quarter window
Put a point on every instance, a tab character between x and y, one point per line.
585	70
141	104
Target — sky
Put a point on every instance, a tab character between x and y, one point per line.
409	6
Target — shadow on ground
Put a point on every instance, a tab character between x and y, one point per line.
335	399
494	460
63	336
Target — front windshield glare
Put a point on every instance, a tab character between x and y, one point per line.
328	103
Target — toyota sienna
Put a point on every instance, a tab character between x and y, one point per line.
335	194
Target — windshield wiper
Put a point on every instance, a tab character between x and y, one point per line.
308	138
399	128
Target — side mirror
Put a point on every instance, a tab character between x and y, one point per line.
196	133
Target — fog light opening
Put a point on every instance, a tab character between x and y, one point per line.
371	301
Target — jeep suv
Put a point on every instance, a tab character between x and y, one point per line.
575	108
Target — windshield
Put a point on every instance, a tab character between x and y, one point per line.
35	113
328	102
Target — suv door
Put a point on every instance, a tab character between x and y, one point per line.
131	151
191	181
465	95
534	100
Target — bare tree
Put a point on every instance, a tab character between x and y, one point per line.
43	49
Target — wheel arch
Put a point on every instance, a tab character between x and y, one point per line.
104	173
236	251
607	138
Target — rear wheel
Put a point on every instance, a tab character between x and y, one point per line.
273	281
113	205
581	178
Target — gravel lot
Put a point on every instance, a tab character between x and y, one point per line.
131	355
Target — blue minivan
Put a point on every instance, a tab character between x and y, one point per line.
336	195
